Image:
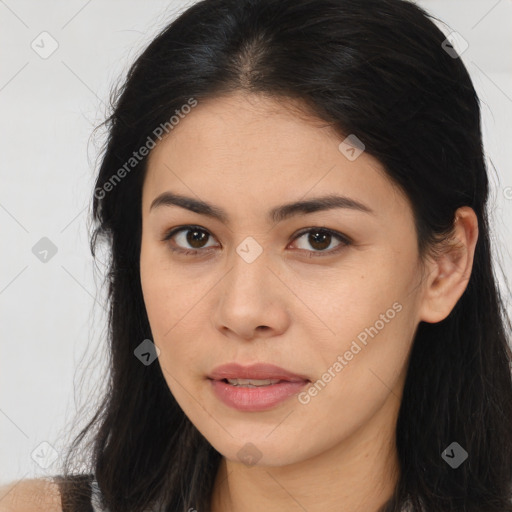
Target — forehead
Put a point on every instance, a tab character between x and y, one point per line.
251	149
246	125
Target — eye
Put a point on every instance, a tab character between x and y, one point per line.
318	238
195	236
321	238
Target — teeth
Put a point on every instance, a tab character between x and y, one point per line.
252	383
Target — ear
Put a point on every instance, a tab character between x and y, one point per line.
449	273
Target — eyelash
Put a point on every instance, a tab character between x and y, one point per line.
192	252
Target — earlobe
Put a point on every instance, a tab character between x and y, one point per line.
450	272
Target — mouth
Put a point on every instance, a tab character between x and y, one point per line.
254	388
258	374
249	397
253	383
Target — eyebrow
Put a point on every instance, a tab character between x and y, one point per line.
275	215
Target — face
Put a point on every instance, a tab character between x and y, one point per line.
328	294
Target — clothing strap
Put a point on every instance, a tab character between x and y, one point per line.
75	492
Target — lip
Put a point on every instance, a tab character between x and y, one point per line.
254	371
257	398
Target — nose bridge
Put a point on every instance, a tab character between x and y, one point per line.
249	264
250	293
251	296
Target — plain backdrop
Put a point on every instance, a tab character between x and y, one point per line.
52	313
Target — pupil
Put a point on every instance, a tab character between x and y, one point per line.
196	236
319	235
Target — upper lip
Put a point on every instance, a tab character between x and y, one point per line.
260	371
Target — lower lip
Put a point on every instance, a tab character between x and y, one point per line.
255	399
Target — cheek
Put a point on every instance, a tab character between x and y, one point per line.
165	293
356	371
367	326
345	302
172	303
159	293
364	354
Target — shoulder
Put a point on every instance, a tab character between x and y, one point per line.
41	494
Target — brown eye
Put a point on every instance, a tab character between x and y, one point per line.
189	239
320	239
196	238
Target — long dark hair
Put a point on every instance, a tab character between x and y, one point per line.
374	68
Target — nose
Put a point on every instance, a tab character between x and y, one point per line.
253	301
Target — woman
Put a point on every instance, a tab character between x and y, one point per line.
304	314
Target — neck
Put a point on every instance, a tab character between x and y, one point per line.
359	474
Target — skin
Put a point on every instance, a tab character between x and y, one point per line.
30	495
247	154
